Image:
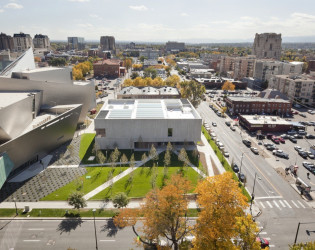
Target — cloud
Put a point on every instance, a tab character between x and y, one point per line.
1	10
184	14
303	16
96	16
138	8
13	6
80	1
85	25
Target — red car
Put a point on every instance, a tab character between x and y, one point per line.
275	140
281	140
263	242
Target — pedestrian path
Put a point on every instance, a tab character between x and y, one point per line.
117	177
281	204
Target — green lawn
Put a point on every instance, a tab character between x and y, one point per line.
86	140
225	164
98	176
141	183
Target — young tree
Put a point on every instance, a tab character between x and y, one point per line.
169	146
167	158
100	157
123	160
222	202
153	153
144	158
193	91
154	176
228	86
164	214
120	200
132	161
134	75
182	156
76	200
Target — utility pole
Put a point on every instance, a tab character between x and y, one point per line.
253	195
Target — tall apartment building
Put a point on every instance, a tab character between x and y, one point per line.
76	43
265	69
22	42
267	45
108	43
174	46
299	89
41	41
6	42
239	67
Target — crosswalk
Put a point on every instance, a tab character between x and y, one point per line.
282	204
263	234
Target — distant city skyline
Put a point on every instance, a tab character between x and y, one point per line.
160	21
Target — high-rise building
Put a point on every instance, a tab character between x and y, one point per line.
108	43
172	46
267	45
22	42
76	43
6	42
237	67
41	41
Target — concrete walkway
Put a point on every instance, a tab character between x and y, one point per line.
117	178
209	154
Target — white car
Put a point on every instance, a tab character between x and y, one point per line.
297	148
310	155
226	154
254	150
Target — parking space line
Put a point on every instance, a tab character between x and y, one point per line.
31	240
282	203
272	246
262	204
295	204
269	204
36	229
301	204
107	240
263	233
287	203
277	205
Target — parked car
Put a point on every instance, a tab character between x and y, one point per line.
254	150
302	132
260	137
228	123
247	142
226	154
284	136
269	136
266	144
298	136
214	124
303	154
232	128
303	115
241	177
297	148
291	132
275	140
310	136
235	168
292	139
310	155
280	154
281	139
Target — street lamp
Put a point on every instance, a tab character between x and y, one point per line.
16	212
94	210
253	195
297	231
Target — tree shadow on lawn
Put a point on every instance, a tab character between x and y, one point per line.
110	228
69	224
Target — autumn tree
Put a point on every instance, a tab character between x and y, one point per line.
303	246
153	153
193	91
137	67
127	63
150	72
37	59
172	80
222	202
164	214
228	86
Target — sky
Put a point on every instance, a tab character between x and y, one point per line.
159	20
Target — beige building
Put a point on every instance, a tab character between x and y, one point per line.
267	45
41	42
22	42
237	67
299	89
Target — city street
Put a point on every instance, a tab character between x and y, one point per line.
282	207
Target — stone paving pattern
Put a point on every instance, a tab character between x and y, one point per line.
40	185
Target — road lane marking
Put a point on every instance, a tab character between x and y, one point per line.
269	204
276	204
267	238
287	203
272	246
31	240
301	204
268	197
36	229
263	233
262	204
108	240
295	204
282	204
260	227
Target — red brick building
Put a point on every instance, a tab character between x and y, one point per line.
257	105
108	68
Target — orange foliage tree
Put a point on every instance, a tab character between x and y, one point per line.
164	214
222	203
228	86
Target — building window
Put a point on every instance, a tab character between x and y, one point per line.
100	132
170	132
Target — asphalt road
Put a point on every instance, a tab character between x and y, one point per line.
282	207
63	234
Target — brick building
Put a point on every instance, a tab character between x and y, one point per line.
239	67
264	123
109	68
257	105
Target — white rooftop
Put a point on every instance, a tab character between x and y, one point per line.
148	109
261	119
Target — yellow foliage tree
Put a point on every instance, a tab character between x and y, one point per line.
128	63
37	59
228	86
77	74
164	214
157	82
137	66
138	82
128	82
172	81
147	81
222	202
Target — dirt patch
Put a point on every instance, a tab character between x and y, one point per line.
287	176
203	162
200	143
214	167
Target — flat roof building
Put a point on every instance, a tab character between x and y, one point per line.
148	93
137	124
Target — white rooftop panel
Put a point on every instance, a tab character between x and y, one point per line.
120	113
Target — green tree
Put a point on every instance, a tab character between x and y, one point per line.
150	72
167	158
134	75
55	61
76	200
100	157
193	91
120	200
153	153
132	161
